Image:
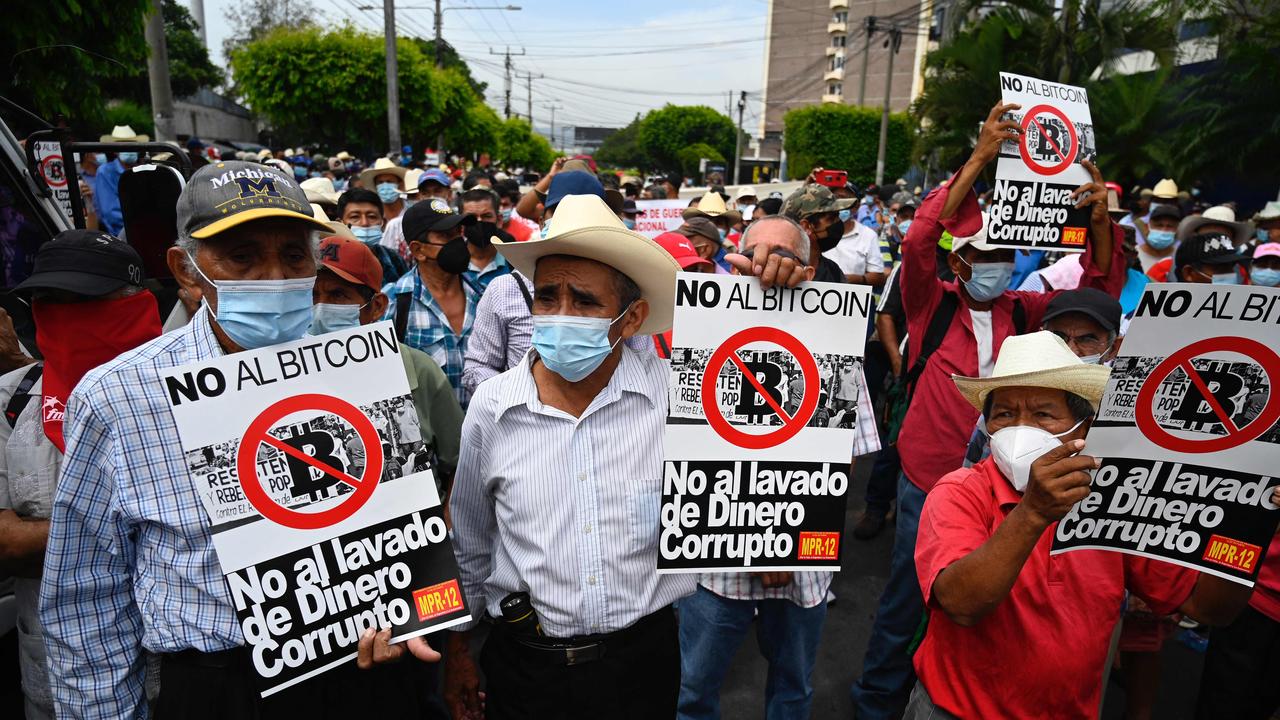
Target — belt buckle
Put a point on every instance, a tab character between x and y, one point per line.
580	654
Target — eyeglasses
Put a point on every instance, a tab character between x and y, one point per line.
1089	343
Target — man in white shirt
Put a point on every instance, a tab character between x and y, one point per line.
858	253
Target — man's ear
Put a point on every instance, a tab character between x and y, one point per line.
188	279
958	266
378	305
810	271
634	318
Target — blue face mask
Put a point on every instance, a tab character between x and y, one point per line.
1266	277
330	317
410	201
542	234
1160	239
723	234
629	223
299	172
506	215
128	158
572	346
100	158
1230	278
1263	236
259	313
371	235
988	280
845	214
903	227
388	192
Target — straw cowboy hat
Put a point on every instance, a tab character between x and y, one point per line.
585	227
1039	359
712	206
1271	211
123	133
1216	215
320	190
411	178
1166	189
382	166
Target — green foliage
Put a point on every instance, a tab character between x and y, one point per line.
1126	109
846	137
330	87
690	159
189	66
127	112
519	146
450	60
622	149
476	133
664	133
252	20
96	41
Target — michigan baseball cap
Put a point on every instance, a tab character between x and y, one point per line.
432	215
352	261
88	262
224	195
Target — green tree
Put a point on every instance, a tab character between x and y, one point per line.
476	133
622	149
1126	110
450	60
189	66
60	54
664	133
846	137
690	159
128	112
254	19
519	146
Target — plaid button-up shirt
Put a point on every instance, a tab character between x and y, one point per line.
428	328
129	564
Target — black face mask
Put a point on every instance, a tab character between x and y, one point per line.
481	234
453	256
831	237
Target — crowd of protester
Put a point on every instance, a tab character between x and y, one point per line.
535	324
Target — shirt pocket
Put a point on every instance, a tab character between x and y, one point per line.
31	486
645	508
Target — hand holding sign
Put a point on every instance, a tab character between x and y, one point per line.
375	649
995	132
1059	480
1093	194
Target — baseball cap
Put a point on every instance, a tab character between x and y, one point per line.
1267	250
699	227
224	195
629	207
679	247
978	240
434	215
352	261
1166	210
1211	248
1089	301
813	199
435	175
744	192
88	262
573	182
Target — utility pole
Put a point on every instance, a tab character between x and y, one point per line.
393	75
528	86
737	146
506	76
893	43
158	74
553	107
439	23
197	12
866	50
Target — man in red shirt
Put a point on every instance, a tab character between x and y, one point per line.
1014	632
935	432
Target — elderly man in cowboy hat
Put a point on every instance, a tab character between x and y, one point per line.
556	502
1267	221
387	179
711	206
1013	632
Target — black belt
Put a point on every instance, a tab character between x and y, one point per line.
581	649
230	657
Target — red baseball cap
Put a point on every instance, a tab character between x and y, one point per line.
352	261
679	247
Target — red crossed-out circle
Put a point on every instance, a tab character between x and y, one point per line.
1144	413
791	425
1066	158
257	433
56	178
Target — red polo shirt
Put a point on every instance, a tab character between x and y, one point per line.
1040	653
935	432
1266	592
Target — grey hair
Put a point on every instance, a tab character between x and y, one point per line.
1079	408
188	245
627	290
800	246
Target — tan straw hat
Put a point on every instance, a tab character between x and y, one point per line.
1166	189
712	206
1039	359
382	166
585	227
319	190
123	133
1217	215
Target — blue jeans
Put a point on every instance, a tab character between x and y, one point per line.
887	675
712	628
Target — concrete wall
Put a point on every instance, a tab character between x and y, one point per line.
210	116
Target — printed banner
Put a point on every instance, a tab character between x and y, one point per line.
1187	432
309	461
762	404
659	216
51	166
1031	205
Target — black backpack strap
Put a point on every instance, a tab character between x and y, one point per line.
22	395
524	290
1019	317
939	324
402	314
662	342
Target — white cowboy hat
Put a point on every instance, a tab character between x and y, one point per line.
1166	189
264	154
978	239
1038	359
585	227
340	229
1271	211
710	206
411	178
343	155
382	166
1216	215
123	133
319	190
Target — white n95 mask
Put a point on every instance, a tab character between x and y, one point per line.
1014	449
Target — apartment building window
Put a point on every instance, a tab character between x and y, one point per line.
835	63
837	41
840	16
835	88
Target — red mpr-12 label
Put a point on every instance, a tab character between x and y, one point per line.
1234	554
437	600
818	546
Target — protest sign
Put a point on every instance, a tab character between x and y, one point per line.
1031	205
1187	434
309	462
762	402
51	165
659	216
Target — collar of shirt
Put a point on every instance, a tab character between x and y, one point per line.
201	343
424	296
629	376
498	263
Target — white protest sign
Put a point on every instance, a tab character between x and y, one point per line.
659	216
762	403
1188	432
308	459
1030	204
53	169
